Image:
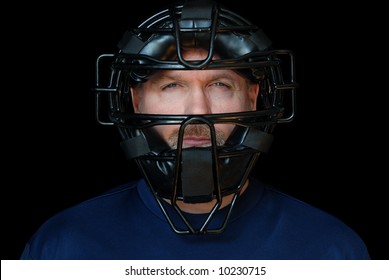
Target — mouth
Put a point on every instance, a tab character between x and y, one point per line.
196	141
196	136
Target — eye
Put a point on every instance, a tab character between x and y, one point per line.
220	84
170	86
220	87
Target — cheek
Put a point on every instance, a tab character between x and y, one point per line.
165	131
225	128
154	105
238	104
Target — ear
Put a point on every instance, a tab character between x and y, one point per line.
135	99
253	95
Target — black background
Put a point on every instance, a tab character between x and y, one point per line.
56	155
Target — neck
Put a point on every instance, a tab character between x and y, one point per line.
201	208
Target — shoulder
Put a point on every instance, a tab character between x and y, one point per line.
75	224
111	199
313	227
294	209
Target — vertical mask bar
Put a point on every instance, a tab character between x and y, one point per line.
195	20
188	163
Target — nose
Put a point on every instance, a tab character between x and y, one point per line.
198	102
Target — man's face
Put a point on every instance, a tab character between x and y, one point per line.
189	92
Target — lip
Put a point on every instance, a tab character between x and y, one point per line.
195	141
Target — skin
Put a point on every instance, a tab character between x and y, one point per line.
195	92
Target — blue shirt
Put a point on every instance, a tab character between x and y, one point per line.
127	223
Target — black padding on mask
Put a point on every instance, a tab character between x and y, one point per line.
196	14
258	140
261	40
251	138
199	9
135	147
130	43
197	175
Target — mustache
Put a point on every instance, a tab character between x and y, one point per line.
198	130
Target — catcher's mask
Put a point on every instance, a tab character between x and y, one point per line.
196	174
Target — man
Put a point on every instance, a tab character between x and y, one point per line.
195	92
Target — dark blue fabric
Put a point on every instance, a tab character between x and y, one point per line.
126	223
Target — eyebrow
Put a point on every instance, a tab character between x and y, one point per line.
175	75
